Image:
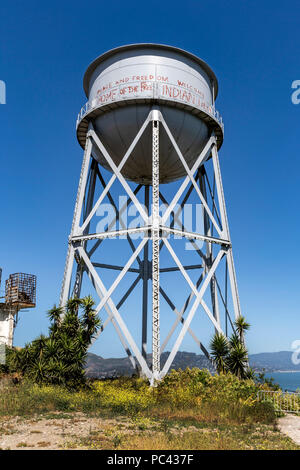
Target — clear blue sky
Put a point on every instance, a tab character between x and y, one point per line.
253	47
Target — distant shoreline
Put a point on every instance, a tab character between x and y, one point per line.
284	371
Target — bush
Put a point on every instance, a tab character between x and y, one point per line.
60	357
194	395
223	397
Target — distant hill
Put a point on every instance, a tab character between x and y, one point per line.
272	362
98	367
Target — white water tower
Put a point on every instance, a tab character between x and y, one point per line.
150	120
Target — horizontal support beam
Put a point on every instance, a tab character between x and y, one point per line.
196	236
136	270
115	267
175	268
112	234
119	233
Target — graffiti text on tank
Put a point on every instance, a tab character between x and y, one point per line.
141	86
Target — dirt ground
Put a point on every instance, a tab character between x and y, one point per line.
55	432
290	425
77	431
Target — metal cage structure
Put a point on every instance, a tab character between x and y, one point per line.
20	293
20	290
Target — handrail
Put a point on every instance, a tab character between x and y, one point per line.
87	107
288	402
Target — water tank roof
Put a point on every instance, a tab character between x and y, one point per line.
164	47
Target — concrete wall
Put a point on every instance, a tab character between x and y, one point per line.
6	327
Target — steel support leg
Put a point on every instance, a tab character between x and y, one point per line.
145	267
155	253
88	207
65	290
225	226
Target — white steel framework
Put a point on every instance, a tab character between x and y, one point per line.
156	230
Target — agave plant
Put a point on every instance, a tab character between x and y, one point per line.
234	341
37	370
231	355
219	351
241	326
55	314
250	374
60	357
237	359
90	323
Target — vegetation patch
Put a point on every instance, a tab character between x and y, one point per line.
191	409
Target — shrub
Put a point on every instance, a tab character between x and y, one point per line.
60	357
223	397
191	395
231	355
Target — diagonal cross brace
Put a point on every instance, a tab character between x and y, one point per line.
201	158
192	313
191	177
191	284
115	324
117	173
182	320
110	318
116	315
112	223
121	275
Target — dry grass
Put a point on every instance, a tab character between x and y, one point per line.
225	438
191	395
186	441
137	433
43	444
219	440
189	410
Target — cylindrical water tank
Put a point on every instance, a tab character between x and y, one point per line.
122	87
